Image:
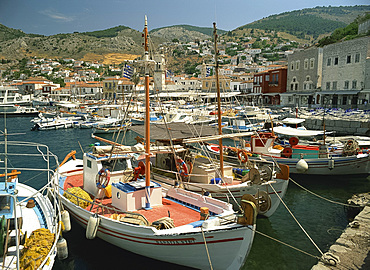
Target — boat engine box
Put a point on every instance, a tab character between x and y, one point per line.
131	196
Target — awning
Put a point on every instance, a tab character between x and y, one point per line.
271	94
298	132
344	92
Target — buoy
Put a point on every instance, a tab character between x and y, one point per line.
66	221
331	164
92	226
301	166
293	141
62	248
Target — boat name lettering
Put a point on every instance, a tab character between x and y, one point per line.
175	242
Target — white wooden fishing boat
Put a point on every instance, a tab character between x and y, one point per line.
29	221
172	225
312	159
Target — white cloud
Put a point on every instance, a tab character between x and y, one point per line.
56	16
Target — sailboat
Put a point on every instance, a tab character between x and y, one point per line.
29	221
265	183
115	199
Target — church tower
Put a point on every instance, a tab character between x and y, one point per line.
159	73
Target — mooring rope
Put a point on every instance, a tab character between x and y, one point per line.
308	236
205	244
321	197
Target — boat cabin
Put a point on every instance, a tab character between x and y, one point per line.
103	170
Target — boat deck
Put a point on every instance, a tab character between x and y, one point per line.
180	214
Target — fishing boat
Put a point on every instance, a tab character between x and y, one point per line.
116	200
262	182
310	159
29	221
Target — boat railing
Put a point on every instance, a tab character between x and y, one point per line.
302	155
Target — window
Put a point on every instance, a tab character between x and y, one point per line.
292	66
206	84
354	84
296	86
336	60
312	63
291	86
328	86
306	64
297	65
357	58
348	59
346	84
334	85
267	78
328	62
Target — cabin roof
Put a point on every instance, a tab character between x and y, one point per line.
177	131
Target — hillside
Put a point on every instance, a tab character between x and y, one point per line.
309	24
116	44
120	41
184	33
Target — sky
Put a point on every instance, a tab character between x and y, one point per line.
50	17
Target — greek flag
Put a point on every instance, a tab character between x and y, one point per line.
128	71
208	71
169	73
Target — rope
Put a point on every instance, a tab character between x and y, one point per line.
205	244
281	200
321	197
288	245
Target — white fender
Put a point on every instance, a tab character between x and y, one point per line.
301	166
62	249
92	226
66	221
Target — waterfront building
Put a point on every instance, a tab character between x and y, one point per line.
337	75
344	73
304	77
267	86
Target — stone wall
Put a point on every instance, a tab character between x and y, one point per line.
340	126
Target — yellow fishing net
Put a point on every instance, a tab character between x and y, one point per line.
36	248
78	193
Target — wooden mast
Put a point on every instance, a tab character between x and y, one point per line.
218	103
147	119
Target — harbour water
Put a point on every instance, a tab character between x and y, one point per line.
323	221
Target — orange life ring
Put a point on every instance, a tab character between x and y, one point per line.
242	156
293	141
287	152
184	169
103	178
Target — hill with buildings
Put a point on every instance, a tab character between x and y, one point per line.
117	44
307	25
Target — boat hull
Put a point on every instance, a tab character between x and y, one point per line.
352	165
175	246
